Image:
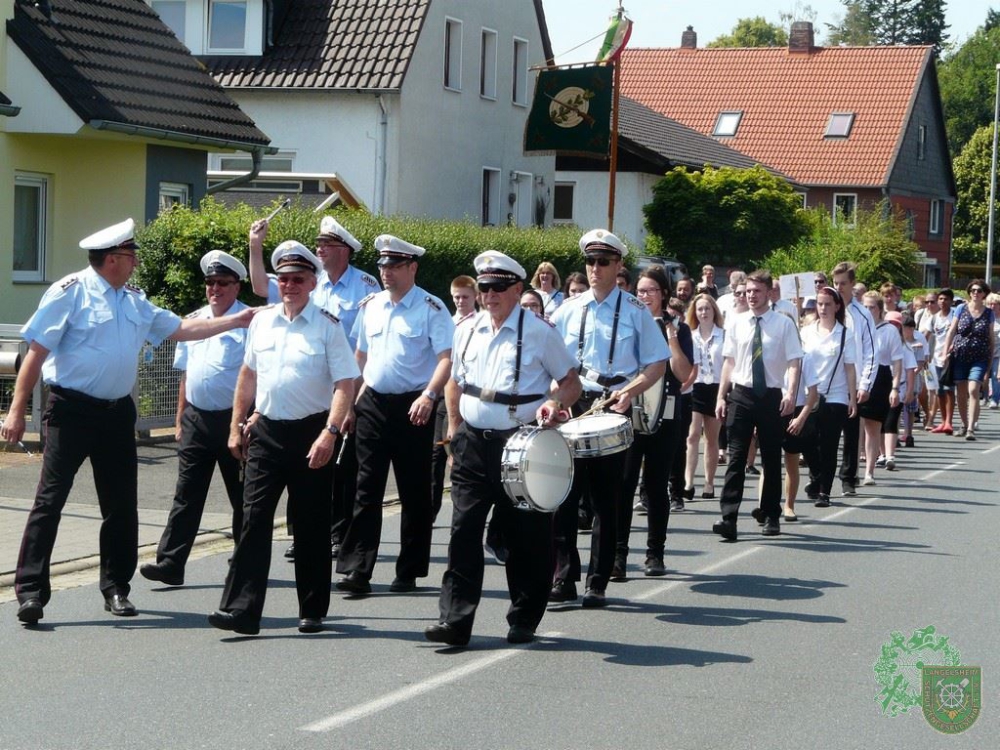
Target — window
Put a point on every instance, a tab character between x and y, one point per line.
519	86
491	197
31	208
453	54
932	277
174	194
802	197
171	12
227	24
922	142
488	65
562	201
937	217
839	125
274	163
911	223
727	124
845	208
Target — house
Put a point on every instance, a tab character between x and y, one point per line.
419	105
649	146
104	115
854	125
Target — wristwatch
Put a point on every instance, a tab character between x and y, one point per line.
333	429
430	394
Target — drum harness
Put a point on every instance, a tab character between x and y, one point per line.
605	381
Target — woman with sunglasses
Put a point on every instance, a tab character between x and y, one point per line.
546	282
970	345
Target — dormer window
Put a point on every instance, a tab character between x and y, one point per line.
839	125
216	27
227	24
727	124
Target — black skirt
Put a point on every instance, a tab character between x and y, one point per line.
877	405
703	398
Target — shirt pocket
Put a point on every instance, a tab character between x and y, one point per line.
265	353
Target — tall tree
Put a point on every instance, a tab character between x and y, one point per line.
854	29
968	85
927	24
992	19
753	32
972	181
886	22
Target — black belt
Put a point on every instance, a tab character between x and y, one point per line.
605	381
490	434
71	395
490	396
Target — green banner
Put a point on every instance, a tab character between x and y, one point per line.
571	113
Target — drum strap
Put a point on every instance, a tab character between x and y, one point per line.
512	407
606	381
490	396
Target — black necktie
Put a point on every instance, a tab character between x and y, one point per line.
757	362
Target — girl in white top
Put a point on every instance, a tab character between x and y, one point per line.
705	321
907	394
885	392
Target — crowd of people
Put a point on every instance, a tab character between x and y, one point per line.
341	376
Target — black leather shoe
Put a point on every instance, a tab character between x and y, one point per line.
688	494
758	515
354	583
311	625
30	611
655	567
725	529
335	550
772	527
119	605
403	585
812	492
822	501
162	573
290	552
618	572
238	623
445	633
594	598
520	634
676	506
563	591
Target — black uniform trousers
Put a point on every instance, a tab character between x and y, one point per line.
345	487
384	433
685	407
76	427
602	477
849	464
654	455
439	457
475	487
821	452
276	459
744	412
204	443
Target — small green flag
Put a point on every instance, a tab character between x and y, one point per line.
571	112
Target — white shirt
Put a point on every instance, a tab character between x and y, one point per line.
939	325
297	361
909	363
725	303
708	355
861	323
888	344
780	339
211	366
786	307
486	359
821	350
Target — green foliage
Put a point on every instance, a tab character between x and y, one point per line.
972	179
854	29
173	244
886	22
879	244
753	32
968	86
727	216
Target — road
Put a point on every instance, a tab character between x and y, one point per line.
769	642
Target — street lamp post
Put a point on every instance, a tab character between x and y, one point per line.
993	183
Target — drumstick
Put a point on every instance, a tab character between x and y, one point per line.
600	403
343	447
284	204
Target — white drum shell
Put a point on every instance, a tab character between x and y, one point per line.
647	408
598	434
536	469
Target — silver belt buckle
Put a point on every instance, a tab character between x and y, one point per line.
591	376
487	395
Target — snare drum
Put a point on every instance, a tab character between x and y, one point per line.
598	434
536	469
647	408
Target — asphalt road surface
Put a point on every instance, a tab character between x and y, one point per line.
765	643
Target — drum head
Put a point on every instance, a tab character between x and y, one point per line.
593	424
548	470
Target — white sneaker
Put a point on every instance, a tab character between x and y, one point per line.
992	406
890	464
869	482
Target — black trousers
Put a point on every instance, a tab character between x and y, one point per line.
78	427
744	413
849	464
602	477
385	434
439	457
654	454
475	487
679	465
345	487
821	452
204	443
276	460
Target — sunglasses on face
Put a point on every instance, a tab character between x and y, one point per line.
494	286
223	283
977	290
602	262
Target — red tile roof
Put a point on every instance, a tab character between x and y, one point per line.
786	100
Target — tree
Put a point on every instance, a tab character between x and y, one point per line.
726	216
753	32
972	180
854	30
992	20
887	22
968	79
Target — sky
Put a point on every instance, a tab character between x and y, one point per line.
659	23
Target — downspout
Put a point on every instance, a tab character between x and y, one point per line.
381	159
257	155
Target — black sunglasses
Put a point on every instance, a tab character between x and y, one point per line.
495	286
602	262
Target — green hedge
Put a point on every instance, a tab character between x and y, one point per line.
172	246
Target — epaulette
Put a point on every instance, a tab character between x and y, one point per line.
634	302
369	280
193	314
367	299
329	314
69	282
135	289
432	302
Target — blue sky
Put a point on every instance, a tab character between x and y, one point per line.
659	23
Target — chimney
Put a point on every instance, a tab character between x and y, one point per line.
801	38
689	39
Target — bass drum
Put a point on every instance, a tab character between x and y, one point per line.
647	408
536	469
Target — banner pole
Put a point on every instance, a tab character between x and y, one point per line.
613	171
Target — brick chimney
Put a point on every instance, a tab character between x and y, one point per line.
801	39
689	39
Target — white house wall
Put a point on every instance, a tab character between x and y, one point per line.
633	190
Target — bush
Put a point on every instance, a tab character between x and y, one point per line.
879	244
173	244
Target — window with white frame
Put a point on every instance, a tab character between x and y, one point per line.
802	197
172	13
845	209
839	125
227	25
937	217
491	197
453	54
921	142
31	212
488	64
174	194
279	162
727	124
519	84
562	202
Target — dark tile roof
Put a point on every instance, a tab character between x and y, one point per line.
347	44
114	60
